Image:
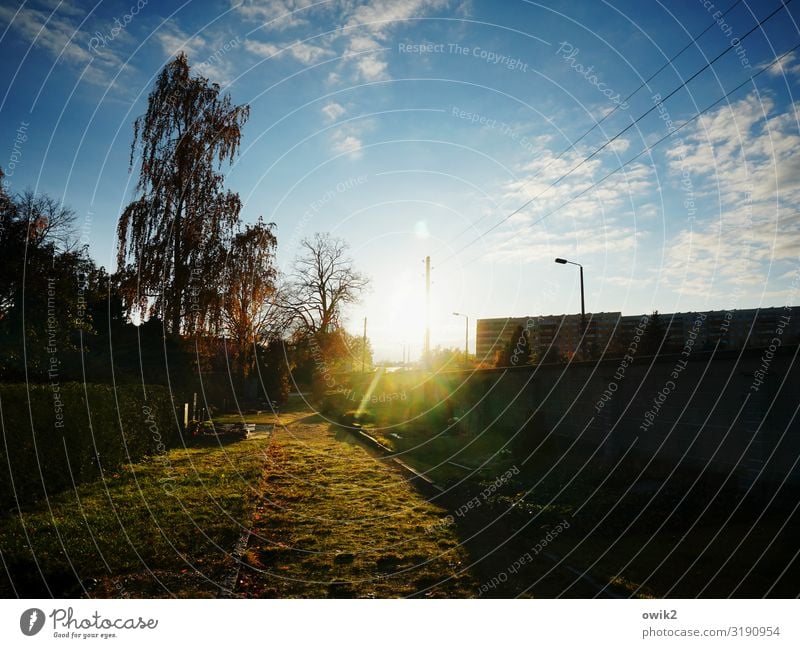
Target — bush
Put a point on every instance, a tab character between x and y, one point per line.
55	436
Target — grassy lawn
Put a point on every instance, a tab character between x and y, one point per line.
163	527
649	537
292	411
331	519
338	522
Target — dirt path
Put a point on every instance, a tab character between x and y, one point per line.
338	522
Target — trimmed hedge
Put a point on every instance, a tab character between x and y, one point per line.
52	439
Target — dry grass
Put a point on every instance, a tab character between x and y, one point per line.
163	527
338	522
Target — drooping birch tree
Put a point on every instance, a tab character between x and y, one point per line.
172	237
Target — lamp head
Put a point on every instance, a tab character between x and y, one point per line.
559	260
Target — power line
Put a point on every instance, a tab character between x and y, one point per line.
652	146
616	108
619	134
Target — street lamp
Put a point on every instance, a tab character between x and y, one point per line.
466	334
583	307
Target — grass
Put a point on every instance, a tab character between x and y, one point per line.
295	409
339	522
436	455
641	542
330	519
163	527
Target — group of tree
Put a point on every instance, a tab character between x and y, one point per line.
202	286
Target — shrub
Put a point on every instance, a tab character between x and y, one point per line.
55	436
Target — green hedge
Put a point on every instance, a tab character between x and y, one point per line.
51	437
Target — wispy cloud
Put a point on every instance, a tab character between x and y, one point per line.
64	32
745	158
333	111
365	31
173	40
346	142
345	138
786	66
275	14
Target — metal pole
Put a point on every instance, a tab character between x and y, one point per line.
583	320
427	309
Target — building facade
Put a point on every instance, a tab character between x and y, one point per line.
553	338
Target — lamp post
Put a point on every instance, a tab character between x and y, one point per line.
583	306
466	334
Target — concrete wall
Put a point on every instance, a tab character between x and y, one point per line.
729	411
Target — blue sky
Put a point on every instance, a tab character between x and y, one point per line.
412	127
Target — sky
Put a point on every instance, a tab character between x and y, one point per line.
484	134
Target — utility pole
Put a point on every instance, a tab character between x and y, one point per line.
427	310
364	348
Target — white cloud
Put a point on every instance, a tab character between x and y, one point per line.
786	66
274	14
619	145
173	41
372	68
333	111
52	32
306	53
540	244
56	31
364	29
265	50
344	142
745	158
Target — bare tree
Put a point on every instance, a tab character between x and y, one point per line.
174	234
323	281
48	220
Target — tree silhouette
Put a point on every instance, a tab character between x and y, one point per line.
249	311
324	280
173	234
654	334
